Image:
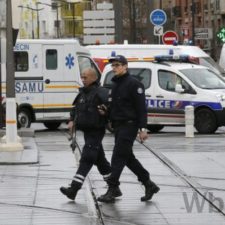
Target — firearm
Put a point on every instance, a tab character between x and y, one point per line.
73	140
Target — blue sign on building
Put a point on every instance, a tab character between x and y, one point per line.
158	17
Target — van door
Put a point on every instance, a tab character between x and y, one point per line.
53	81
169	105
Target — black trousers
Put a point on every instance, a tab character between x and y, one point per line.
123	155
93	154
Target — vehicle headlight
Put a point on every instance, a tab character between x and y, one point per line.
221	97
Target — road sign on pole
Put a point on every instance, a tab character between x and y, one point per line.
99	25
158	30
169	37
158	17
203	33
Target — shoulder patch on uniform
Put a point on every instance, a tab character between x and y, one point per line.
140	91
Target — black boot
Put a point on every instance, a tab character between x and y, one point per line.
71	191
110	195
150	189
117	192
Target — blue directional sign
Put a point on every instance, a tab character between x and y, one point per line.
158	17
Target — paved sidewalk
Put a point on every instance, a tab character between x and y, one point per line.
166	207
29	193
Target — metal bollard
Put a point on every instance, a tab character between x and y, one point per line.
189	121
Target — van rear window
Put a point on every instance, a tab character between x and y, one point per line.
51	59
141	74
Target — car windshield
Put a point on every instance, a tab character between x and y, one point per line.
210	63
204	78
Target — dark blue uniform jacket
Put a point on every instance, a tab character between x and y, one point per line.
127	100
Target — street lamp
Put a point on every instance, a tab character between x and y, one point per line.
53	5
32	10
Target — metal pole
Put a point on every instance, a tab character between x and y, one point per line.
57	19
12	143
32	19
1	107
10	79
38	22
193	21
73	4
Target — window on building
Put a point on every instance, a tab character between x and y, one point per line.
217	4
21	61
51	59
43	26
54	6
26	26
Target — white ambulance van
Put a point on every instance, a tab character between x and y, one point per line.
47	78
146	51
171	85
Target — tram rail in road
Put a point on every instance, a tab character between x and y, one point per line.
182	175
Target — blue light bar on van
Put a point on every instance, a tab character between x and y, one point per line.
172	58
113	54
171	51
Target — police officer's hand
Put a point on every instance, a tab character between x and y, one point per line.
143	135
70	126
102	109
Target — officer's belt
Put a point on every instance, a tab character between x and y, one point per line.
119	123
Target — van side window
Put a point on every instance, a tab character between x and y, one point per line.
85	62
21	61
141	74
168	80
51	59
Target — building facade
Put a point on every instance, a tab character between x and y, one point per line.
52	18
200	21
196	21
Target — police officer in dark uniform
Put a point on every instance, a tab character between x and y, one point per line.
87	117
128	114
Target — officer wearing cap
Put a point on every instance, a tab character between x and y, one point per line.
128	114
86	116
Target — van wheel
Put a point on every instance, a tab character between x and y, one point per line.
155	128
205	121
24	118
52	125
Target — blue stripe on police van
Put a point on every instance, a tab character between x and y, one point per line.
180	105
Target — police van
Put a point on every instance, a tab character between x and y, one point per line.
133	51
47	78
172	83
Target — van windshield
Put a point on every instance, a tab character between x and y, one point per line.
204	78
141	74
210	63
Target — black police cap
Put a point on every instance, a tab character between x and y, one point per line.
118	58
